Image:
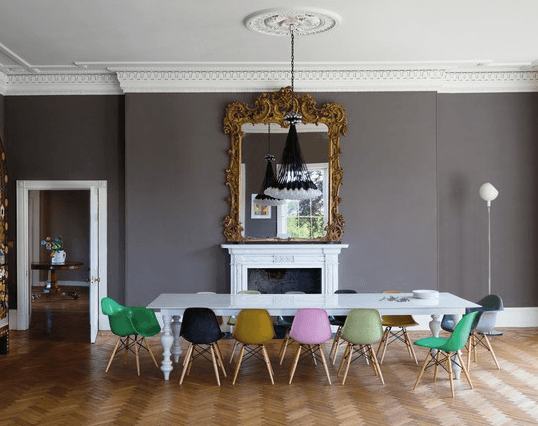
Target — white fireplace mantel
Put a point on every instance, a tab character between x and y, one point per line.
265	256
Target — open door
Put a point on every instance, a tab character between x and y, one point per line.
98	248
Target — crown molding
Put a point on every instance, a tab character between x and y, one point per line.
331	78
72	83
3	83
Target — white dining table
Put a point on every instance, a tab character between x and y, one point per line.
172	305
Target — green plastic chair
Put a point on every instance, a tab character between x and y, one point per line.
132	325
361	329
447	350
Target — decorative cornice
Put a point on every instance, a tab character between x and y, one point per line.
73	83
257	79
3	83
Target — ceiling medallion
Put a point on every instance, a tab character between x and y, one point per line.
305	22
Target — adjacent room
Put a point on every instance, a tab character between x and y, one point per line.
241	213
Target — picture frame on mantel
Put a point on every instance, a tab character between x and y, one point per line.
259	211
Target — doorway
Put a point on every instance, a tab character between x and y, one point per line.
97	250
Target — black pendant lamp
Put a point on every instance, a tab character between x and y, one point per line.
263	198
293	181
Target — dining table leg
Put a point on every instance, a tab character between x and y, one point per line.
167	340
176	347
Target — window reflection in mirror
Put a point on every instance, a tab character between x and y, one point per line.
304	221
306	218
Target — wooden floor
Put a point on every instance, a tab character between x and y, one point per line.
52	376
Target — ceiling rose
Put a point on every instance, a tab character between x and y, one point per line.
305	21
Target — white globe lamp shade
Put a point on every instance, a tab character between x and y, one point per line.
488	192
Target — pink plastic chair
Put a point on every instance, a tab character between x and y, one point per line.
311	328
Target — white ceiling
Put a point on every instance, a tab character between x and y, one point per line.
58	36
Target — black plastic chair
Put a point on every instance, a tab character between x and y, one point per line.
201	329
339	321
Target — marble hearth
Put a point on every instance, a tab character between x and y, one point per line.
284	256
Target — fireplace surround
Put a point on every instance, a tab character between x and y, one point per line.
284	256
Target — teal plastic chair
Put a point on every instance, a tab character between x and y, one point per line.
443	350
361	329
132	325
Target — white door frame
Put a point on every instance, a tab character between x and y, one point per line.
98	247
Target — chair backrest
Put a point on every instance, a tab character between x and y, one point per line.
118	317
110	307
144	321
311	326
249	292
461	332
362	326
491	302
253	327
200	326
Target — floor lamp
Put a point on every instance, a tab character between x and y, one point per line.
488	193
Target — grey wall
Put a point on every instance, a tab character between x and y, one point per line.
488	138
69	137
413	163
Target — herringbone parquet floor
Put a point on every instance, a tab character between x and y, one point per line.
53	377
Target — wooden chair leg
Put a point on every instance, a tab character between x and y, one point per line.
268	363
220	359
410	347
374	361
113	353
215	365
186	361
422	370
349	357
324	362
294	363
238	366
233	351
435	368
285	343
148	347
383	340
389	329
488	344
465	371
136	348
126	349
346	352
450	376
335	345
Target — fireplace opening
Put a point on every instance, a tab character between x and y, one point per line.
282	280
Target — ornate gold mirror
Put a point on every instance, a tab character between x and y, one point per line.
319	136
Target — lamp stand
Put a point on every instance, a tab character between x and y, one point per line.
489	247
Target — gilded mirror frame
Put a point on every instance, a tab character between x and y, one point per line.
271	108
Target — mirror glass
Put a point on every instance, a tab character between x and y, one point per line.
319	138
295	219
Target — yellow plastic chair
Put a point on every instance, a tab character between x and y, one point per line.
400	322
253	328
233	320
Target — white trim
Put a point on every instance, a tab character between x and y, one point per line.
231	77
98	256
